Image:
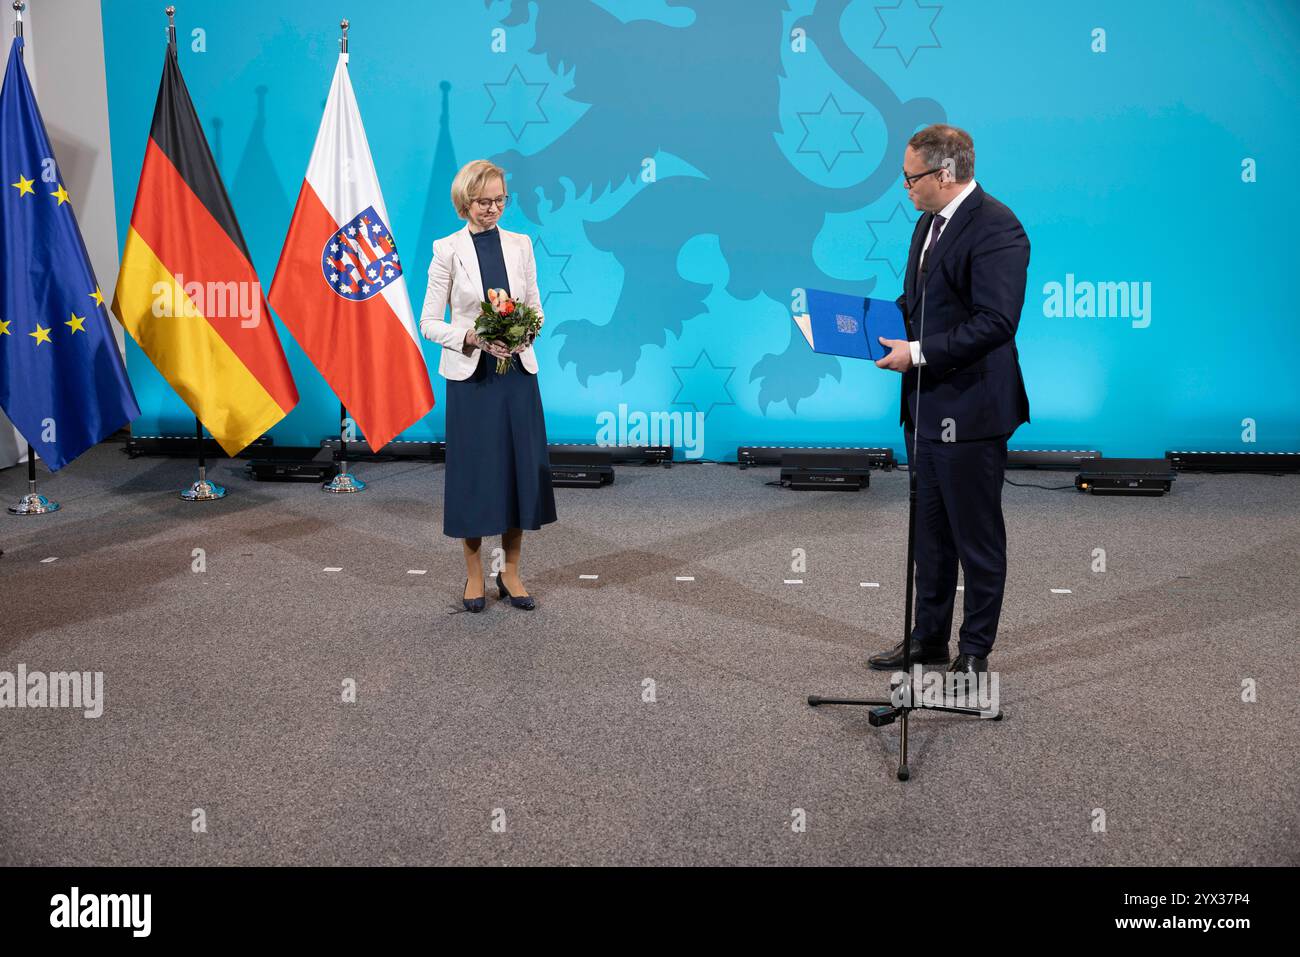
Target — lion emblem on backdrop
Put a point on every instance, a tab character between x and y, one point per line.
655	67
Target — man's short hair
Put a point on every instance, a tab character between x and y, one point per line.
947	146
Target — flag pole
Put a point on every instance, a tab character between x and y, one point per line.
344	481
32	503
202	490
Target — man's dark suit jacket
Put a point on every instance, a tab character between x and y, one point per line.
974	291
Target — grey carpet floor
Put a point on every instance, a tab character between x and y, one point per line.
518	738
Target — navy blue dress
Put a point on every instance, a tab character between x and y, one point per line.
498	475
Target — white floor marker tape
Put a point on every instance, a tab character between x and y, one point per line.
333	569
589	577
794	581
417	571
46	561
1062	591
868	584
686	578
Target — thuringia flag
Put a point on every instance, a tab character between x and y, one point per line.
62	380
339	287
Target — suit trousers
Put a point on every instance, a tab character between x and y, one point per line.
959	521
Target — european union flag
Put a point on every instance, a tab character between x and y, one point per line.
62	381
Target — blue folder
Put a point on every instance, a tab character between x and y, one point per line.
841	325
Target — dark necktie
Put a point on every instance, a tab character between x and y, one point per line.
934	239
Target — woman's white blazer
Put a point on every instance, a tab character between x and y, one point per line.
454	279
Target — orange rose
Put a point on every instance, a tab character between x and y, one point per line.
506	307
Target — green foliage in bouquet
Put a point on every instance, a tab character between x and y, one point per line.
506	320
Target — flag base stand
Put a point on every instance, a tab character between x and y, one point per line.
344	482
203	490
33	503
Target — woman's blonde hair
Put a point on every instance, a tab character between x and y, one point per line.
469	183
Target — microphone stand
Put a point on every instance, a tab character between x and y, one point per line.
886	712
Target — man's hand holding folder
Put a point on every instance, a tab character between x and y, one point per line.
900	355
857	327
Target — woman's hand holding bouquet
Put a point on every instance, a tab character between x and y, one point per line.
510	323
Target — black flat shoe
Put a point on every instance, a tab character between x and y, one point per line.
969	665
892	660
526	603
472	604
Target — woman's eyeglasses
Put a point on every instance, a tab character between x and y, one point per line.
486	204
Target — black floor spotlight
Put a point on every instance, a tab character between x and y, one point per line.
591	466
1264	463
580	466
1149	477
1065	460
819	469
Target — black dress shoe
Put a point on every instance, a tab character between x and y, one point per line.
969	664
472	604
892	660
526	602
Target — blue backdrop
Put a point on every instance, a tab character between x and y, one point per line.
684	166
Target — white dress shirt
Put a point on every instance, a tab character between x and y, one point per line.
947	213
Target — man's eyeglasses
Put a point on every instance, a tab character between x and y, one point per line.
909	179
486	204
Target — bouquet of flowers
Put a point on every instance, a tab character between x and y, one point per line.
506	320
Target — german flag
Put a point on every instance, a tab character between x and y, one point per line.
187	292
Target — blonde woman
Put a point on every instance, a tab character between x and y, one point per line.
498	476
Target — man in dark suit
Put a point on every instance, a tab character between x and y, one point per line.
962	393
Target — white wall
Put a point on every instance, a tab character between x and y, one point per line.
65	60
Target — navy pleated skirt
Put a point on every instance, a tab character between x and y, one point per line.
498	475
